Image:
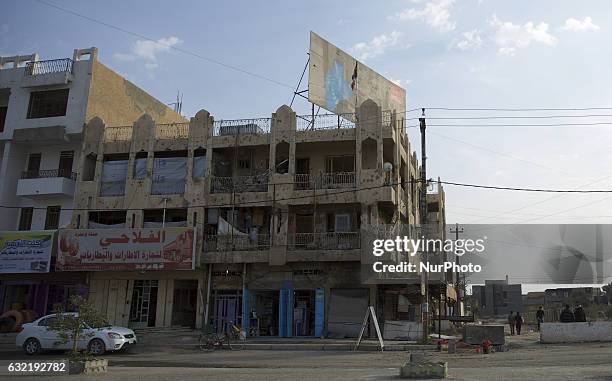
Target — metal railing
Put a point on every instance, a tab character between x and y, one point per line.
119	133
49	173
228	242
337	180
62	65
239	184
324	122
324	241
172	131
241	126
305	181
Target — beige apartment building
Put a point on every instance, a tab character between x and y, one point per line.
279	209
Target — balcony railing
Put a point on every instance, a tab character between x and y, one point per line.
216	243
324	122
324	241
304	181
172	131
239	184
49	173
337	180
241	126
119	133
62	65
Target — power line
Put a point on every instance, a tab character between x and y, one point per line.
543	190
519	125
520	109
184	51
517	117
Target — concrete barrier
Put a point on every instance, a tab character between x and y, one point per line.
402	330
475	334
576	332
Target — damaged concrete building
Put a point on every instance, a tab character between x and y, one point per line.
278	207
44	106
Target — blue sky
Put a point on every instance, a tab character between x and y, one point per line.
475	54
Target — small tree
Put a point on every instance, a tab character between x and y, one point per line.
72	327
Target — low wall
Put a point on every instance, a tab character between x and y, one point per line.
576	332
402	330
475	334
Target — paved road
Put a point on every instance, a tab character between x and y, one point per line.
526	360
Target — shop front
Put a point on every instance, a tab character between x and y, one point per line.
138	277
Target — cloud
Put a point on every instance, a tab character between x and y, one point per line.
471	40
151	66
436	13
376	47
509	37
400	82
148	50
574	25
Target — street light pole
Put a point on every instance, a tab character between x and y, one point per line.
423	218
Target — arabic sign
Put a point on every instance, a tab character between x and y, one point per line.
125	249
25	251
338	82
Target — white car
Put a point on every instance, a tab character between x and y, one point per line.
35	337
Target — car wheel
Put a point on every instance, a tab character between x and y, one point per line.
96	347
31	346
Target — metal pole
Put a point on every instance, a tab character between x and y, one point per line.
423	218
458	280
208	285
164	215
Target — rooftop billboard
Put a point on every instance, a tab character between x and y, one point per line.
338	82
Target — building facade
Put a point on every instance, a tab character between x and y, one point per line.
498	297
44	107
279	208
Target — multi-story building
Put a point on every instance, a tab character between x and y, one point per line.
278	206
498	297
44	107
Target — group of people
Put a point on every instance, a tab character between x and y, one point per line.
516	322
567	316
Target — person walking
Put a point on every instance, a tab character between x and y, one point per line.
579	314
511	322
567	316
518	321
540	317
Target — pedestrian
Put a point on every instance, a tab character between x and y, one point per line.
566	316
579	314
540	317
511	322
518	321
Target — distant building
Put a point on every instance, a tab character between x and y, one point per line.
497	297
572	295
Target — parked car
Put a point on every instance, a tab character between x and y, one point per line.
35	337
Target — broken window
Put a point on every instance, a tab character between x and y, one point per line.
140	166
33	166
169	172
114	174
282	157
199	163
369	154
47	104
107	219
174	217
65	164
25	219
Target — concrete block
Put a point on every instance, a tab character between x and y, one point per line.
576	332
424	370
416	357
475	334
402	330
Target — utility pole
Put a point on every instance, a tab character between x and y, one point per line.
457	230
423	218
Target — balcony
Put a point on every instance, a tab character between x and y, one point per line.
172	131
44	183
115	134
49	72
324	122
338	180
241	127
224	243
240	184
324	241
